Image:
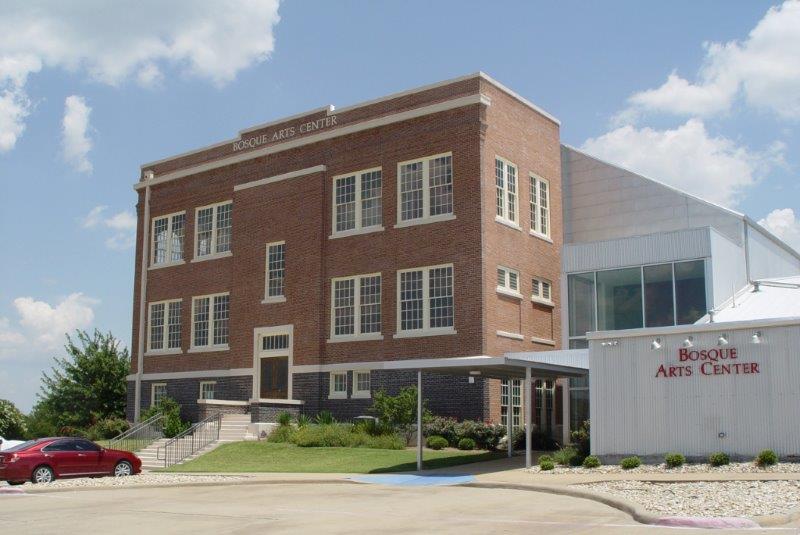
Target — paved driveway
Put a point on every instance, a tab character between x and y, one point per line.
314	508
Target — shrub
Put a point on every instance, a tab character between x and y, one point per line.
766	458
436	442
466	444
565	456
628	463
591	462
674	460
719	459
580	438
442	426
173	425
303	420
540	441
284	419
546	465
343	436
400	411
325	418
374	427
545	458
283	433
108	428
12	421
486	436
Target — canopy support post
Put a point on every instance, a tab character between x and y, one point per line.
419	420
509	420
528	407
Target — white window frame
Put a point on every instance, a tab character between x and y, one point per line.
504	218
357	334
166	350
426	330
153	392
540	298
202	384
167	263
213	255
332	394
211	346
536	206
258	353
359	228
506	288
274	298
362	394
426	194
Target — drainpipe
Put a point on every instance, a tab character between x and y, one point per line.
137	409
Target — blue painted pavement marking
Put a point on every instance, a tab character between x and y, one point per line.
412	480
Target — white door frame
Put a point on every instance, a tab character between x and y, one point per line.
258	354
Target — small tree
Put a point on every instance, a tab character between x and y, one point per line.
398	411
12	421
169	408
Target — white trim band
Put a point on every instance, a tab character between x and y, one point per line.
278	178
197	374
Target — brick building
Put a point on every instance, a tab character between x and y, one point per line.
281	270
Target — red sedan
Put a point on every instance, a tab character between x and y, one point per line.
45	459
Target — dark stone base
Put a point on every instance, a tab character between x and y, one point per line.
268	412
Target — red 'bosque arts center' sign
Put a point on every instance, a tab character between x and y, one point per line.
707	362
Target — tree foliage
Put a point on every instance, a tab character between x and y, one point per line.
12	421
84	387
398	411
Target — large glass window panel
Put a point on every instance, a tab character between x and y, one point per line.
658	306
578	407
619	299
581	303
690	291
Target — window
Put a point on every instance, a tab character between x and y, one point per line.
274	342
213	229
168	232
158	391
356	306
578	401
357	202
512	387
506	182
690	291
164	330
361	384
338	387
210	316
508	281
542	291
276	272
207	389
425	301
425	189
540	206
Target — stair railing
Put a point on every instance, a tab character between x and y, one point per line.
140	435
194	439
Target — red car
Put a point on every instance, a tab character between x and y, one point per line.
45	459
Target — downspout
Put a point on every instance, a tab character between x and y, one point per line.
747	250
148	175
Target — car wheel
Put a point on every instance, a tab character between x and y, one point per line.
122	469
43	474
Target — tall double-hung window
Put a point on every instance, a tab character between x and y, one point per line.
356	307
425	190
213	229
357	202
210	317
507	208
540	206
276	272
164	327
425	301
168	234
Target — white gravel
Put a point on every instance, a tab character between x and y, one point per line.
132	481
707	499
740	468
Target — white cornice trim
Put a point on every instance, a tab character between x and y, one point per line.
278	178
328	109
323	136
197	374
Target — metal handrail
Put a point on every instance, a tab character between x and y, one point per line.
187	443
140	435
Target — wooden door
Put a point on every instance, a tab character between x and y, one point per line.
274	378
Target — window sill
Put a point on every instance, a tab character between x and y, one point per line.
209	349
361	395
166	264
513	336
508	293
425	220
545	302
419	333
507	223
214	256
232	403
273	299
540	236
277	401
161	352
356	232
341	395
355	338
543	341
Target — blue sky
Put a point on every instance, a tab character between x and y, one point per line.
702	95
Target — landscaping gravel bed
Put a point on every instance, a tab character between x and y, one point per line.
707	499
740	468
131	481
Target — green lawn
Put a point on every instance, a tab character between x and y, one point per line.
279	457
128	445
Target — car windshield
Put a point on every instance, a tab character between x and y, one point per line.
20	447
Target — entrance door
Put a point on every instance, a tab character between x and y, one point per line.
274	378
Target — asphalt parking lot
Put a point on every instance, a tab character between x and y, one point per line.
314	508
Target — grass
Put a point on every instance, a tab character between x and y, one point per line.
271	457
127	445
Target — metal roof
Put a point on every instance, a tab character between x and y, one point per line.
509	366
769	298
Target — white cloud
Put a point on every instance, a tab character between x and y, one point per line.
75	126
714	168
9	336
763	69
123	225
122	221
783	223
134	40
47	324
94	217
